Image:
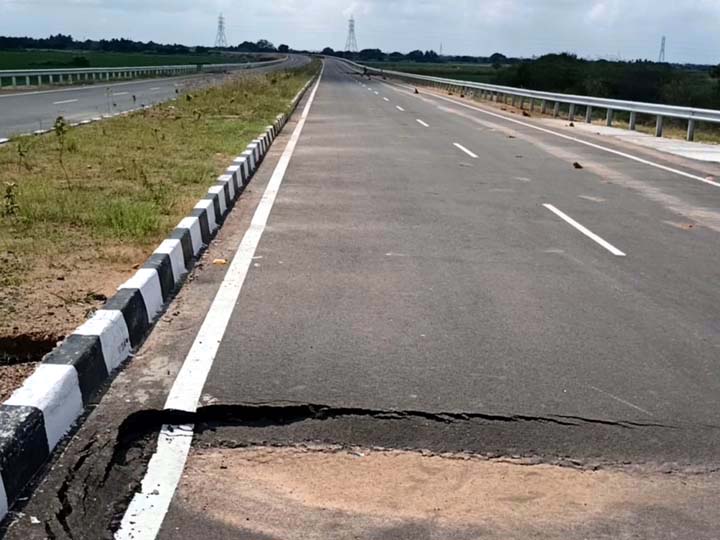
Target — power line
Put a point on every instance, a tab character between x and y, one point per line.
221	39
351	43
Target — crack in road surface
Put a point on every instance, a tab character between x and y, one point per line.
106	471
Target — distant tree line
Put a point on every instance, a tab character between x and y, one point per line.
376	55
121	45
640	80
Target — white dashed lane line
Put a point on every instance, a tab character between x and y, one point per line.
65	101
399	108
587	232
468	152
423	124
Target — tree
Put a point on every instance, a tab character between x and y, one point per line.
263	45
248	46
283	48
328	51
372	54
430	56
416	56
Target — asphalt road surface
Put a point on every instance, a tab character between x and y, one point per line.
442	276
26	112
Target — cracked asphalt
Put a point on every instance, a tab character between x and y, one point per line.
411	307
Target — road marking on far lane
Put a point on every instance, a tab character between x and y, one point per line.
120	93
423	124
145	514
399	108
468	152
65	101
580	141
587	232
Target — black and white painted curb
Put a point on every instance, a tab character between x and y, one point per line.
47	407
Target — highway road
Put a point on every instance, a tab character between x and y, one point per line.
26	112
432	275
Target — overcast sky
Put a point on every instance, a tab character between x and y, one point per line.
592	28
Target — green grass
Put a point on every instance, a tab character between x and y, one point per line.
469	72
126	182
32	59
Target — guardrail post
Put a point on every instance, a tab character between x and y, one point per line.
522	102
609	119
571	114
513	100
633	121
659	126
543	106
14	81
691	130
27	80
532	104
588	114
556	110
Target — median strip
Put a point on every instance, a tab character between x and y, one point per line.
39	414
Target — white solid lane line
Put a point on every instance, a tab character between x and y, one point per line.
65	101
468	152
399	108
423	124
146	513
587	232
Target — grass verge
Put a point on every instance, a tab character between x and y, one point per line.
80	208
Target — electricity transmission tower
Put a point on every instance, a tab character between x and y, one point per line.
661	59
351	43
221	38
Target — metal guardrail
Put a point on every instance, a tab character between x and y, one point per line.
38	77
503	93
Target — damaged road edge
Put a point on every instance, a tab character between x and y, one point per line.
53	400
106	474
